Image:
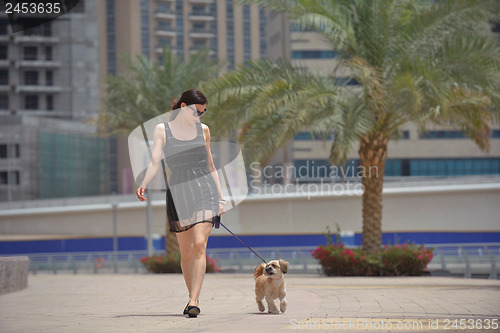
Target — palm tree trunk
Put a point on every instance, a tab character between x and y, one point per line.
373	153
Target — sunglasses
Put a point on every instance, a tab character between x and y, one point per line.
197	113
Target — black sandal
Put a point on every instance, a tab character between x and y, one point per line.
193	311
185	312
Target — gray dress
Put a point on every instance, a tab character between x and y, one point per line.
192	195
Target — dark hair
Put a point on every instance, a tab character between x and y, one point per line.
191	96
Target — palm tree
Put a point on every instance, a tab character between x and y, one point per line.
146	90
424	62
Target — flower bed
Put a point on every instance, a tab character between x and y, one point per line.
392	260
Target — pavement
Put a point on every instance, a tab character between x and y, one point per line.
154	303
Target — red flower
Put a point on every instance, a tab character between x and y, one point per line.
349	253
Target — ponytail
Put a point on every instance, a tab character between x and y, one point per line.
192	96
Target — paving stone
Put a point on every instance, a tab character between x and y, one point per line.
154	303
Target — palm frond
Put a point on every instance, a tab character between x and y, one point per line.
146	89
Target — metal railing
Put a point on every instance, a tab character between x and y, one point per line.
87	262
466	260
241	260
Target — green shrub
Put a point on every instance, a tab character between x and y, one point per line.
171	263
404	259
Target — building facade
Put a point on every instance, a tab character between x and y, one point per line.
441	152
232	32
49	88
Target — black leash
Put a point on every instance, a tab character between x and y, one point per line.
243	242
232	201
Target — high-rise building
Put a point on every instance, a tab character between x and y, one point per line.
52	79
49	86
229	31
441	152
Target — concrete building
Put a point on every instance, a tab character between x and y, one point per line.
229	31
441	152
49	87
57	71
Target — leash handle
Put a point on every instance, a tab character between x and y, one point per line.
243	243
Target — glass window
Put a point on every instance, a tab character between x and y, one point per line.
9	150
164	42
4	178
495	165
48	53
313	54
145	27
4	101
31	78
30	53
198	8
46	29
304	136
11	177
111	36
165	25
49	78
4	76
31	102
451	167
346	81
50	102
443	135
393	167
460	166
230	33
441	168
467	167
246	32
199	26
477	166
414	168
3	52
163	7
3	27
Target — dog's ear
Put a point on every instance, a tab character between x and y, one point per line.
258	271
283	266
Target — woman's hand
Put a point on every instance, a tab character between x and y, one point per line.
140	193
221	208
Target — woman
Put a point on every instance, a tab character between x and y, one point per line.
194	197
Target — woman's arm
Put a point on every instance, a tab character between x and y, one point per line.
158	144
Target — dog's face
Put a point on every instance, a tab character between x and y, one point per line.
276	268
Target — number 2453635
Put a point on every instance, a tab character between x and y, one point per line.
32	8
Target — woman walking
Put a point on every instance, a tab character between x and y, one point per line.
194	198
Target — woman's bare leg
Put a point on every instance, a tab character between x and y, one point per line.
185	246
193	244
199	259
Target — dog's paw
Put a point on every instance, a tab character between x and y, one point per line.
261	308
274	310
283	306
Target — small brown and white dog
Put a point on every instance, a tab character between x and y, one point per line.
269	284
